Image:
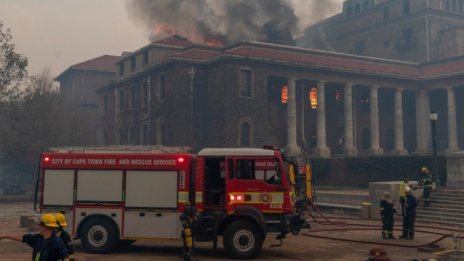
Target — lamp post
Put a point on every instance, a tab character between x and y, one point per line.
435	174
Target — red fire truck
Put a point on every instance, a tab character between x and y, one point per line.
113	196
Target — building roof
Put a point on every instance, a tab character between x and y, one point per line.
319	59
175	40
104	63
198	54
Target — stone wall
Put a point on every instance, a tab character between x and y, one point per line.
359	172
455	166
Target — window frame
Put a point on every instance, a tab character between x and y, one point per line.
249	85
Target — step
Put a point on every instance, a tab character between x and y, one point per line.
435	209
442	217
442	222
447	202
440	214
448	193
454	197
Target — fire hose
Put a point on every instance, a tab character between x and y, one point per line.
327	221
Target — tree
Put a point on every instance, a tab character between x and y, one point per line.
12	67
34	123
30	125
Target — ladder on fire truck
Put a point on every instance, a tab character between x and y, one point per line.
150	149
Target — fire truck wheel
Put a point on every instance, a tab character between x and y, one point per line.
99	236
242	240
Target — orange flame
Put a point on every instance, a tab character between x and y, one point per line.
165	29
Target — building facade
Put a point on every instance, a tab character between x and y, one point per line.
78	85
410	30
250	94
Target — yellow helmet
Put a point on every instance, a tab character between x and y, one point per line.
48	220
424	170
61	220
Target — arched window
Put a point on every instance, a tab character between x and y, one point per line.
366	139
161	132
245	134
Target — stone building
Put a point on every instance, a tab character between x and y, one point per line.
78	85
175	93
411	30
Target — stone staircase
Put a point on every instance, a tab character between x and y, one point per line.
446	208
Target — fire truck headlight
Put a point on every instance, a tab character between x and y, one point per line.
232	197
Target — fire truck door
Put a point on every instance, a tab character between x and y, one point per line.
151	204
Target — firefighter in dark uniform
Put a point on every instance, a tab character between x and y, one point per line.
46	246
427	184
63	235
387	211
409	218
188	218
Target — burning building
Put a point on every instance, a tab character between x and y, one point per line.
173	92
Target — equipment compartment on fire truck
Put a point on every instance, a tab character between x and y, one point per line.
121	195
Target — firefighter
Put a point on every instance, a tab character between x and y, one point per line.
387	211
409	218
427	184
188	218
402	195
63	235
46	246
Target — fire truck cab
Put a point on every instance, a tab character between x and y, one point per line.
119	196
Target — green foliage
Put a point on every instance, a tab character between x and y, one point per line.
12	67
33	122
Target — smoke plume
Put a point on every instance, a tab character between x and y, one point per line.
203	21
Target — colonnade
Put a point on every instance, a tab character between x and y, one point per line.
423	130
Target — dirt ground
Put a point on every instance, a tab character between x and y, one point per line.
294	247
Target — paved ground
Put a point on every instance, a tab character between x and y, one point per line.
294	248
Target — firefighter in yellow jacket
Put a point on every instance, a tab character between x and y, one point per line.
402	195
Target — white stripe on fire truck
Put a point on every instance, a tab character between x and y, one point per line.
198	197
182	197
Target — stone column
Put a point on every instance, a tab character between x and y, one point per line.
422	122
321	149
350	148
374	103
399	129
292	147
452	128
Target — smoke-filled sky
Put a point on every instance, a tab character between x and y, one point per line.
276	21
60	33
